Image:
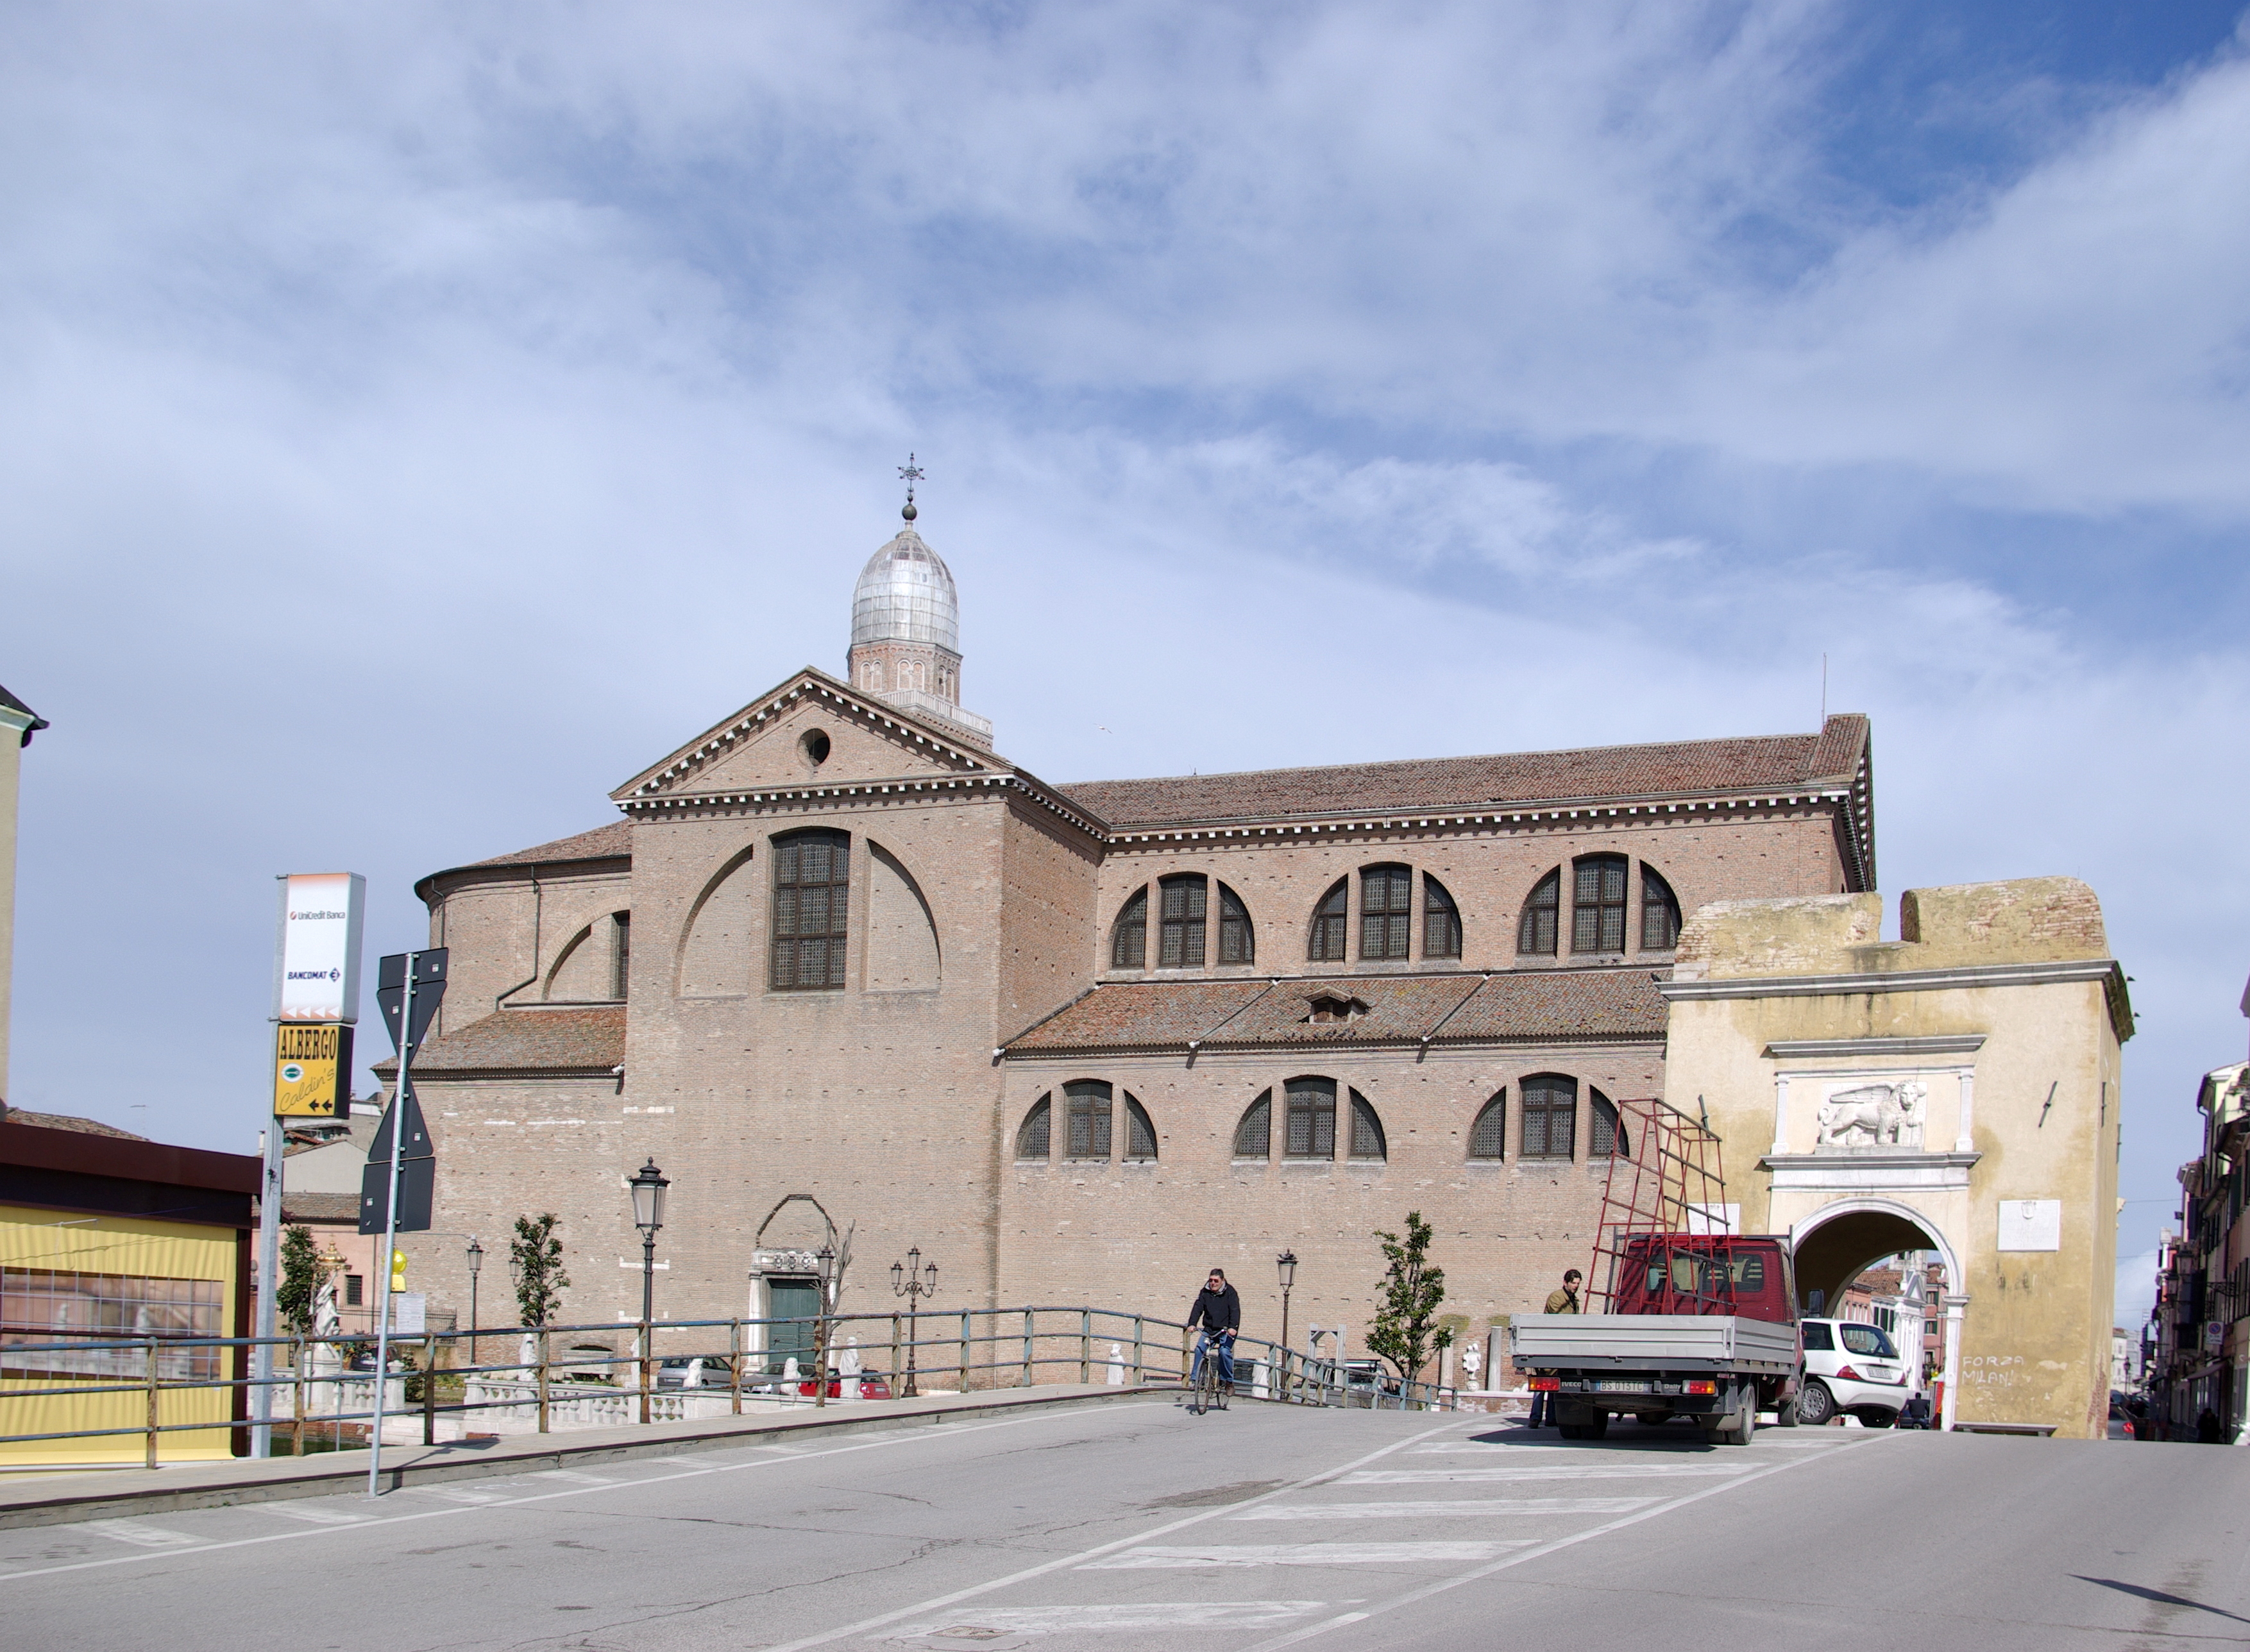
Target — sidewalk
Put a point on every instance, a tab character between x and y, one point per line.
67	1495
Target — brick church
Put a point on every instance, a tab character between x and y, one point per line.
1078	1043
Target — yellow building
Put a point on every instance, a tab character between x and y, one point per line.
1954	1091
132	1247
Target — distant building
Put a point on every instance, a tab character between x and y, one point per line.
2200	1356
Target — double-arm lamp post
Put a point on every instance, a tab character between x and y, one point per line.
914	1280
648	1184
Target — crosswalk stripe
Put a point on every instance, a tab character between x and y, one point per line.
1458	1476
133	1532
312	1517
1487	1507
1168	1557
574	1476
456	1494
1145	1614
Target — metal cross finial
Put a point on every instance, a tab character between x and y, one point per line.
911	472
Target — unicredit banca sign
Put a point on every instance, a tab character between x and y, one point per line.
316	964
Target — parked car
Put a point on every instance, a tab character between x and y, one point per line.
1364	1378
1852	1368
696	1371
589	1362
867	1385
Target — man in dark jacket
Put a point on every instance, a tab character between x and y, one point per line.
1218	1311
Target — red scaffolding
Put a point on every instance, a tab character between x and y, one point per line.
1666	1177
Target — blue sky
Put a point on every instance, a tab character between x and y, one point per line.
416	420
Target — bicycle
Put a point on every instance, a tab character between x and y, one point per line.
1209	1386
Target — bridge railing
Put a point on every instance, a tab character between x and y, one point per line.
117	1396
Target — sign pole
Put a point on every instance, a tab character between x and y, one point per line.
390	1238
269	1288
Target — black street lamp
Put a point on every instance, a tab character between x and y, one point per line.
913	1279
476	1266
1286	1262
648	1184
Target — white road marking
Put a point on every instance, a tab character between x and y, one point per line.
1475	1574
311	1516
573	1475
1080	1620
455	1494
1559	1471
133	1532
1484	1506
1161	1557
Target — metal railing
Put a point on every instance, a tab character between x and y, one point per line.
441	1383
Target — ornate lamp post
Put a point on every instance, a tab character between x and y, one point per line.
1286	1264
913	1279
476	1266
648	1184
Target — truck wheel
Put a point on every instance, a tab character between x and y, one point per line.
1784	1414
1599	1427
1815	1405
1571	1430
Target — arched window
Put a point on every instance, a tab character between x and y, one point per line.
1367	1140
1237	944
1489	1136
1609	1133
1536	935
1387	912
1330	923
1551	1116
1442	921
1088	1135
810	897
1254	1136
1033	1134
1311	1119
1140	1134
1659	912
1128	942
1180	930
1597	904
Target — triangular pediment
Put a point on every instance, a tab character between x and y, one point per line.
810	731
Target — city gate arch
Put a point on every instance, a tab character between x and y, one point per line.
1835	1242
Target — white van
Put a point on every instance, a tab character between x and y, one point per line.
1852	1368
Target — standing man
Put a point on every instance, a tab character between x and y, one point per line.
1563	1301
1218	1311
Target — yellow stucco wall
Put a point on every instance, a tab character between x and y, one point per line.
2023	965
144	1248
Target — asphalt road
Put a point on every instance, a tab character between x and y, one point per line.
1137	1526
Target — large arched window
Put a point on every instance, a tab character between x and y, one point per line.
1489	1136
1597	904
1387	912
1312	1120
1088	1134
1442	921
1609	1133
1185	901
1659	912
1128	942
1551	1116
1535	936
1367	1140
1253	1135
1140	1131
1331	924
812	895
1032	1135
1237	943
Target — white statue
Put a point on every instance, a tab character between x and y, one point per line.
1874	1116
847	1363
325	1320
1116	1376
1471	1362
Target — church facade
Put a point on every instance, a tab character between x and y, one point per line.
1080	1042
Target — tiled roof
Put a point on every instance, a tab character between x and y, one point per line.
1592	773
64	1121
321	1207
1541	1006
588	1039
603	842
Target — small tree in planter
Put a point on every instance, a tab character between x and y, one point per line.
535	1256
1406	1329
299	1283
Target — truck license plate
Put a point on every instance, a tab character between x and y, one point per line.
1619	1385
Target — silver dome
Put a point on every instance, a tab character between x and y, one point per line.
906	594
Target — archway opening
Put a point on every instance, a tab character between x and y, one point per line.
1833	1254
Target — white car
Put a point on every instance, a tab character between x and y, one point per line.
1853	1367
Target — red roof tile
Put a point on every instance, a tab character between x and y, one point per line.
590	1039
1595	774
603	842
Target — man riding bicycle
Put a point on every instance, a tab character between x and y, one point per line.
1218	1311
